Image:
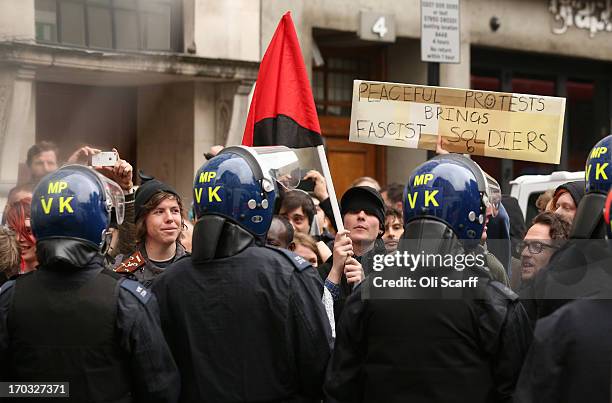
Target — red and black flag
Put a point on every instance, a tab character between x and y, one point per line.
282	110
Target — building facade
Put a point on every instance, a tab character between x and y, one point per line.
163	80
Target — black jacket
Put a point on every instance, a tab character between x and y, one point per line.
580	269
138	344
428	344
571	356
247	327
367	262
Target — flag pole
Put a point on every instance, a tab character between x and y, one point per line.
330	187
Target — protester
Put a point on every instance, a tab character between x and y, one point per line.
566	199
544	237
392	195
306	247
298	207
10	257
159	218
18	218
260	307
366	181
363	212
409	344
72	320
543	200
16	194
394	228
281	233
42	159
214	150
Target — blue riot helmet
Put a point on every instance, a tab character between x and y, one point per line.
453	190
598	169
241	183
77	203
588	222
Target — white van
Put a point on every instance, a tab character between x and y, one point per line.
527	188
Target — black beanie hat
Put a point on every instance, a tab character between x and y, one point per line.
148	188
575	189
364	198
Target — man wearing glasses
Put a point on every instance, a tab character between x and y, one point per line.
544	237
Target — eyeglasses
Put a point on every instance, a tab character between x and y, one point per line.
535	247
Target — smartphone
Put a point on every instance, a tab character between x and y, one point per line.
104	159
306	185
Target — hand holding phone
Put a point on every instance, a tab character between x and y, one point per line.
104	159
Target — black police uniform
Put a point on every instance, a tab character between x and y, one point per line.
89	327
429	350
245	323
571	356
429	344
578	270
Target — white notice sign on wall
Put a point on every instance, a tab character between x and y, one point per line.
440	31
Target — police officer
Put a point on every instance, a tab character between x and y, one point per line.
244	321
570	360
580	268
73	320
426	342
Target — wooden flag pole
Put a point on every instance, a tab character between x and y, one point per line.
330	187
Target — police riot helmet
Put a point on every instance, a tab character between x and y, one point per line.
453	189
588	222
75	202
598	172
241	183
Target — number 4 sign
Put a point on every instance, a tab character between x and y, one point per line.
377	27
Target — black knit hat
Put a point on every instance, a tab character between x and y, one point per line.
364	198
575	189
148	188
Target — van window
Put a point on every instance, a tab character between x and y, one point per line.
532	210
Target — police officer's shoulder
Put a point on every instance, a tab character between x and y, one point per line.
7	286
298	262
139	291
503	291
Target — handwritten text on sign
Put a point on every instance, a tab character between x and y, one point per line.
493	124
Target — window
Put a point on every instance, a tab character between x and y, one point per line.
333	81
110	24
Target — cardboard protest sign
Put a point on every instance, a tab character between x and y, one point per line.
492	124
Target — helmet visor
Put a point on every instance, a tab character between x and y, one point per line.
279	163
115	200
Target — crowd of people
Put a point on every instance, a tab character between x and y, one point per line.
252	294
